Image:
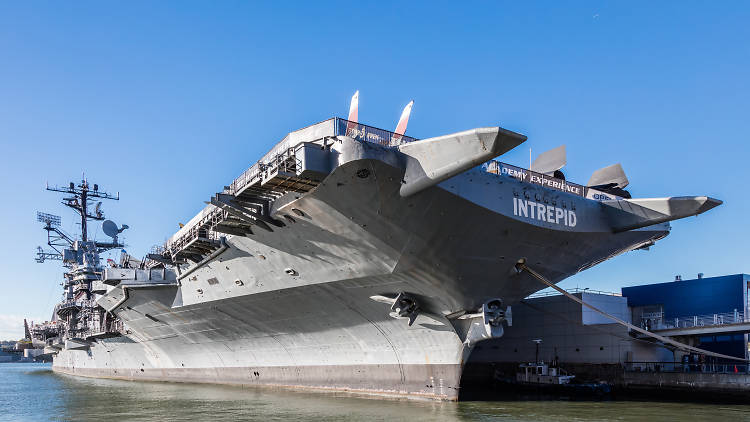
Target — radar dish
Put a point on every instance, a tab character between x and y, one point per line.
110	228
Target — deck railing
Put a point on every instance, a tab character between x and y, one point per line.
372	134
199	230
695	367
75	304
576	290
695	321
529	176
284	150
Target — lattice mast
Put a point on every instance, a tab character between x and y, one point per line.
78	314
81	197
81	200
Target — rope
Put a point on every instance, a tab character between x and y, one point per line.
521	266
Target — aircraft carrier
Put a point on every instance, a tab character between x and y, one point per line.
348	258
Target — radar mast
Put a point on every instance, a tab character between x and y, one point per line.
78	315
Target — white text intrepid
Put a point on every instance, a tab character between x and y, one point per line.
543	212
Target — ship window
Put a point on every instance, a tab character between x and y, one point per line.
723	338
706	339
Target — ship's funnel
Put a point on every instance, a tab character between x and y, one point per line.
550	161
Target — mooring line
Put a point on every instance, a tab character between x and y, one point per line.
521	266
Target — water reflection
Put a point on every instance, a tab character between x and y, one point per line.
33	392
96	399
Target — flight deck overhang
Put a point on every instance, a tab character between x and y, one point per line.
300	161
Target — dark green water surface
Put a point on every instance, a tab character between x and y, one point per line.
32	392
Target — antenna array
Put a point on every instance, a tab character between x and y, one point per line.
48	219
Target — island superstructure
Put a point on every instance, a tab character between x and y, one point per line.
351	258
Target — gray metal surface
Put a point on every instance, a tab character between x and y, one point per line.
291	291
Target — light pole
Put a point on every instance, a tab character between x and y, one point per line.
537	341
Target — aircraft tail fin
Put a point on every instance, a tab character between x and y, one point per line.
403	122
354	108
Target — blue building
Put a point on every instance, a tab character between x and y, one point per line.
706	312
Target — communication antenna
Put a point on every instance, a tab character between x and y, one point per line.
42	255
56	238
109	228
49	220
82	195
81	198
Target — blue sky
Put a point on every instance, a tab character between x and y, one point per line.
166	102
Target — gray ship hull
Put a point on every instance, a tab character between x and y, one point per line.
294	306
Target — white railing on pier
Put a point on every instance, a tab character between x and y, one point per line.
575	290
696	321
693	367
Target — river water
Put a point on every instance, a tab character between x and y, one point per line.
32	392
